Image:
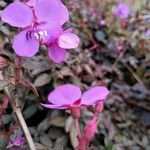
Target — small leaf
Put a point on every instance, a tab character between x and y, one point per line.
100	36
44	125
1	40
73	137
3	84
58	121
45	140
39	146
30	111
55	133
7	119
42	80
61	143
68	124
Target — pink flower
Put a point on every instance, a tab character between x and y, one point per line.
102	23
69	96
59	40
122	11
119	48
18	142
35	19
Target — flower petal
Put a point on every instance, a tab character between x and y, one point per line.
68	40
69	30
17	14
65	95
94	95
56	53
122	11
25	45
32	3
51	10
54	106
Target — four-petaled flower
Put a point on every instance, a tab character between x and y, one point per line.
122	11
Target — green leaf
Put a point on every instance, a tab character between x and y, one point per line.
30	111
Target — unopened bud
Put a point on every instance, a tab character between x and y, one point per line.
75	112
99	107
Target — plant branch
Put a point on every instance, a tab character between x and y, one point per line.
21	120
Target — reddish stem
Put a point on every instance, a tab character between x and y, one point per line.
18	71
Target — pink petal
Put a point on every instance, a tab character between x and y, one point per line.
17	14
54	106
65	95
25	45
94	95
56	53
51	10
68	30
68	40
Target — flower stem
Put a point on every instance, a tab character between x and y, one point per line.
18	71
78	128
16	108
21	120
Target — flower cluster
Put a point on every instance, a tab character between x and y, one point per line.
122	11
70	97
40	22
18	142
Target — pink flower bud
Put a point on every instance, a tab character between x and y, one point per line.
99	107
102	23
75	112
5	102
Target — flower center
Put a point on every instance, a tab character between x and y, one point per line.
41	35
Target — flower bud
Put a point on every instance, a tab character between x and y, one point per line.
99	107
75	112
